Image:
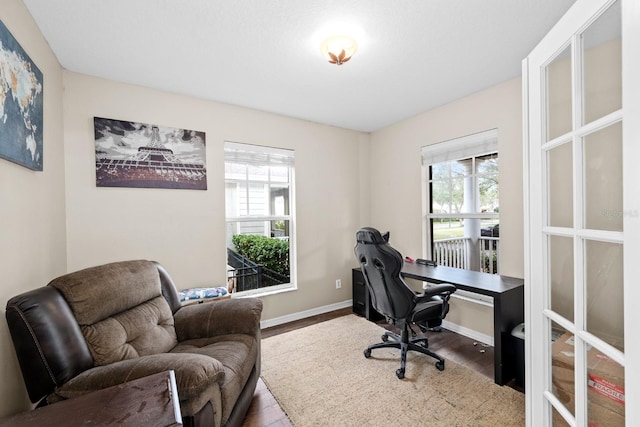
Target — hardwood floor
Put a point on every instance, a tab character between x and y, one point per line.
266	412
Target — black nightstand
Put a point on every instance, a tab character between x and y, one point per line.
361	300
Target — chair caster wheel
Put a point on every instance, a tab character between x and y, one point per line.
440	366
400	374
367	353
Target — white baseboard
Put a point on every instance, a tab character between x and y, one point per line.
304	314
470	333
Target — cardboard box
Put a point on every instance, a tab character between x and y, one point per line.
605	381
598	416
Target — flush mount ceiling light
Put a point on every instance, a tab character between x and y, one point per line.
338	49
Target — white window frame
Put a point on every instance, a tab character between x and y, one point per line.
252	154
471	146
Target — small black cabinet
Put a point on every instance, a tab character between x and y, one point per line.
361	299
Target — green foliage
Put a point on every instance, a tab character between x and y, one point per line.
448	184
490	259
267	251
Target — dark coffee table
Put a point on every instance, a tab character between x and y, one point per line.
147	401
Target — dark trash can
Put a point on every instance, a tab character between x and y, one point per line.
518	340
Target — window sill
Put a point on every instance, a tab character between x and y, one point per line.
265	291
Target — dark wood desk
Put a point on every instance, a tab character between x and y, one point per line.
508	306
147	401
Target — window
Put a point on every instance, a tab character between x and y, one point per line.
260	224
462	204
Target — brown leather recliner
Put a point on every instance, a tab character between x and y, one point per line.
106	325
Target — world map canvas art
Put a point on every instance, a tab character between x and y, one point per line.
132	154
20	104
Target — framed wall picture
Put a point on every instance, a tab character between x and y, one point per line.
132	154
21	104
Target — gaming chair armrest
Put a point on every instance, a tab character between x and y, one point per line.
443	289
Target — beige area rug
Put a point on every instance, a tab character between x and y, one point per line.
321	378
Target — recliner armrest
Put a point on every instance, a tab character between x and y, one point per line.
47	339
194	374
231	316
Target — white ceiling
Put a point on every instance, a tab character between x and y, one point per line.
413	55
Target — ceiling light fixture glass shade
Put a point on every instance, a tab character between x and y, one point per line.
338	49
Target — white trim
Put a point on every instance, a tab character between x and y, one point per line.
601	235
483	215
568	417
269	290
527	250
469	333
631	197
261	155
256	218
304	314
464	147
585	130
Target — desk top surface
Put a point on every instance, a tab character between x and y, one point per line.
473	281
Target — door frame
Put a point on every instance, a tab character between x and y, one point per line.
631	197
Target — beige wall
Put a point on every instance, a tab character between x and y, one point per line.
32	210
344	180
396	178
185	229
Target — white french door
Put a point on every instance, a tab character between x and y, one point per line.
582	218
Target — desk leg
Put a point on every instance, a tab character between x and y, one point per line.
508	311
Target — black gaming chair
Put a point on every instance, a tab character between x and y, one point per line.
392	297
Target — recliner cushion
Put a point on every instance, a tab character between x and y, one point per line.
98	292
120	310
141	331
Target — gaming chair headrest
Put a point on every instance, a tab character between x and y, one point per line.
371	236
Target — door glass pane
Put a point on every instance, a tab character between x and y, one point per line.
605	390
604	277
557	420
602	65
563	366
561	275
559	106
603	179
560	191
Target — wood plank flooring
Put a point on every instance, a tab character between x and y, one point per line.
266	412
